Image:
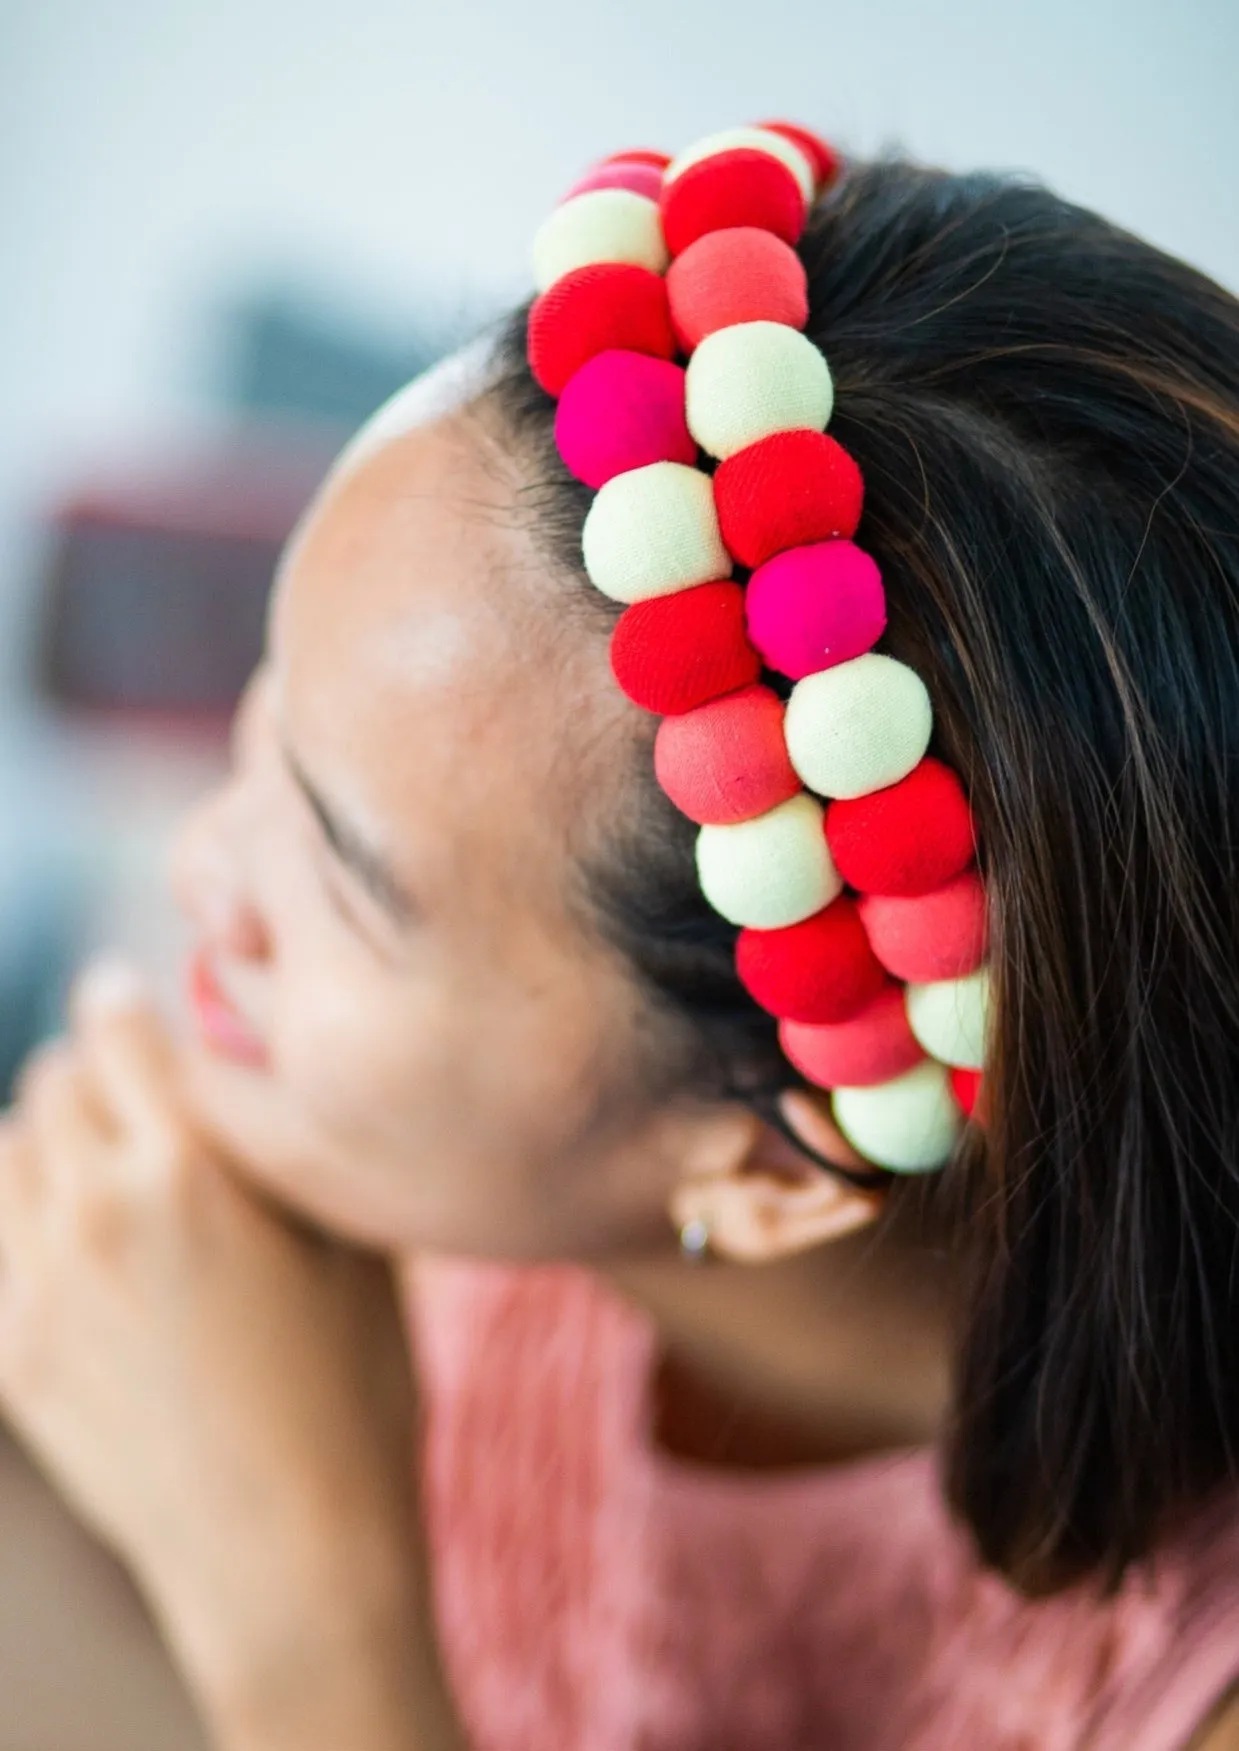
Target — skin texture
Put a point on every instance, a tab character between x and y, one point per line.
195	1252
490	1037
191	1314
459	1070
223	1398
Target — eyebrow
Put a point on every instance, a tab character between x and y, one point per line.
352	848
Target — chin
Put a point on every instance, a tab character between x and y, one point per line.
260	1127
332	1177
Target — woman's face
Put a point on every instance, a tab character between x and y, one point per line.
403	1030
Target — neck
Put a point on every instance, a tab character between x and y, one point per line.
825	1356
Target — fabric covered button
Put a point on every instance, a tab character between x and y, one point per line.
785	491
630	173
594	309
607	224
736	188
822	970
874	1044
727	760
622	410
772	871
812	607
950	1018
966	1087
822	156
858	727
940	935
907	839
740	275
772	141
675	652
910	1124
638	155
651	531
745	382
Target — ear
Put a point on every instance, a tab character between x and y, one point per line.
774	1199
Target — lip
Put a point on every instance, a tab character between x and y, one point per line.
220	1027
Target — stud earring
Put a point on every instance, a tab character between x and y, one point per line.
695	1239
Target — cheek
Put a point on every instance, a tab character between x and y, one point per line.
375	1057
409	1144
356	1054
459	1109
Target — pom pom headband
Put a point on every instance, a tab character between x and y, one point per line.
669	322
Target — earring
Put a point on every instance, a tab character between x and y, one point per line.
695	1239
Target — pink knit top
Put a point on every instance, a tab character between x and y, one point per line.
595	1594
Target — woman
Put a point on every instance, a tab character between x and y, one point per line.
919	1459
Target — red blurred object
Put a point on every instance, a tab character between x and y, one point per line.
739	187
156	588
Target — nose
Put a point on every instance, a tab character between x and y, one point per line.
208	880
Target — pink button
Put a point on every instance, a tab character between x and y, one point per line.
726	761
738	275
622	410
642	179
872	1047
940	935
812	607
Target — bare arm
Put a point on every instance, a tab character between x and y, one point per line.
384	1692
1220	1731
226	1400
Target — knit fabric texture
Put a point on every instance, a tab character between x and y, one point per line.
875	1043
910	1124
727	760
814	606
653	531
741	275
789	489
739	187
671	653
593	1593
622	410
939	935
821	970
773	870
858	727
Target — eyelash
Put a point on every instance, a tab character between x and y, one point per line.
333	887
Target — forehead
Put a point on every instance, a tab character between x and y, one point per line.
422	672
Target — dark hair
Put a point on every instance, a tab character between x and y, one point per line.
1046	414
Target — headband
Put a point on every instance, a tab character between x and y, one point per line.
669	323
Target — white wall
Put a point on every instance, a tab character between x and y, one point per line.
152	151
155	153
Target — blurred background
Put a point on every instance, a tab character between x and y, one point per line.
228	229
